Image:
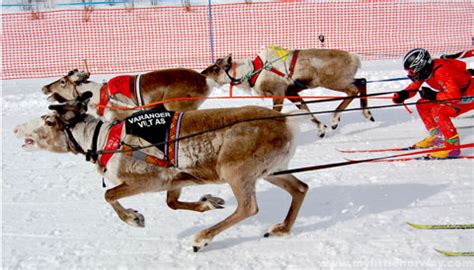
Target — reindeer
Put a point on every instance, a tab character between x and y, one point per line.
245	144
279	72
132	91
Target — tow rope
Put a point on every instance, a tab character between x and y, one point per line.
352	162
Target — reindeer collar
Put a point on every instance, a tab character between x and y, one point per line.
76	147
258	66
92	153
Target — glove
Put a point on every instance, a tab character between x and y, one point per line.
428	93
400	96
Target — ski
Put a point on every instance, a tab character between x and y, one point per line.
359	161
454	253
427	158
397	149
441	226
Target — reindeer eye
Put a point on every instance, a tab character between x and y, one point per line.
48	121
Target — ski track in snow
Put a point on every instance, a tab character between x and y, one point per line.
54	215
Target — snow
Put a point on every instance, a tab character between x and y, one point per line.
54	215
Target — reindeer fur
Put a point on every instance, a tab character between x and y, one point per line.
332	69
239	154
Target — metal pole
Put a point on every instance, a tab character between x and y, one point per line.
211	38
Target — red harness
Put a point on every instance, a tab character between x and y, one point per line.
112	143
170	159
258	64
117	85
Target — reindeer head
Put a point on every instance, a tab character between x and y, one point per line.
48	132
45	133
73	111
217	71
65	88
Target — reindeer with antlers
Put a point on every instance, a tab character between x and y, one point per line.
279	72
236	146
188	87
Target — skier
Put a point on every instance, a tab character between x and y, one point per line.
454	96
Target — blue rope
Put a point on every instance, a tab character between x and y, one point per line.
69	4
89	3
211	37
17	5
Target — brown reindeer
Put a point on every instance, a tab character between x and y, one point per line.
245	144
278	72
132	91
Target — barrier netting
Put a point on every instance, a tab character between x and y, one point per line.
144	39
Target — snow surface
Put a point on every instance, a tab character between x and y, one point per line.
54	215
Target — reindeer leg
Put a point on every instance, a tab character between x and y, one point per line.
297	190
278	104
351	94
205	203
299	102
361	85
129	216
244	192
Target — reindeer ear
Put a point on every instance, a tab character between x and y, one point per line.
56	107
228	60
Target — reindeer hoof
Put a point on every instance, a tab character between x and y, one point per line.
335	122
134	218
196	248
277	230
212	202
201	239
368	115
322	131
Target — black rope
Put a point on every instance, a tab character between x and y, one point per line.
349	97
135	148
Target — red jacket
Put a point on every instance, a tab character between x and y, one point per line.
450	77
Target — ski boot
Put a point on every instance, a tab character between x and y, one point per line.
435	139
448	153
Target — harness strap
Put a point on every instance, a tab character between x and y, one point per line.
137	154
138	92
77	146
293	62
112	143
258	66
104	99
92	153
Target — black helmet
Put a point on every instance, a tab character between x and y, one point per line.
419	64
